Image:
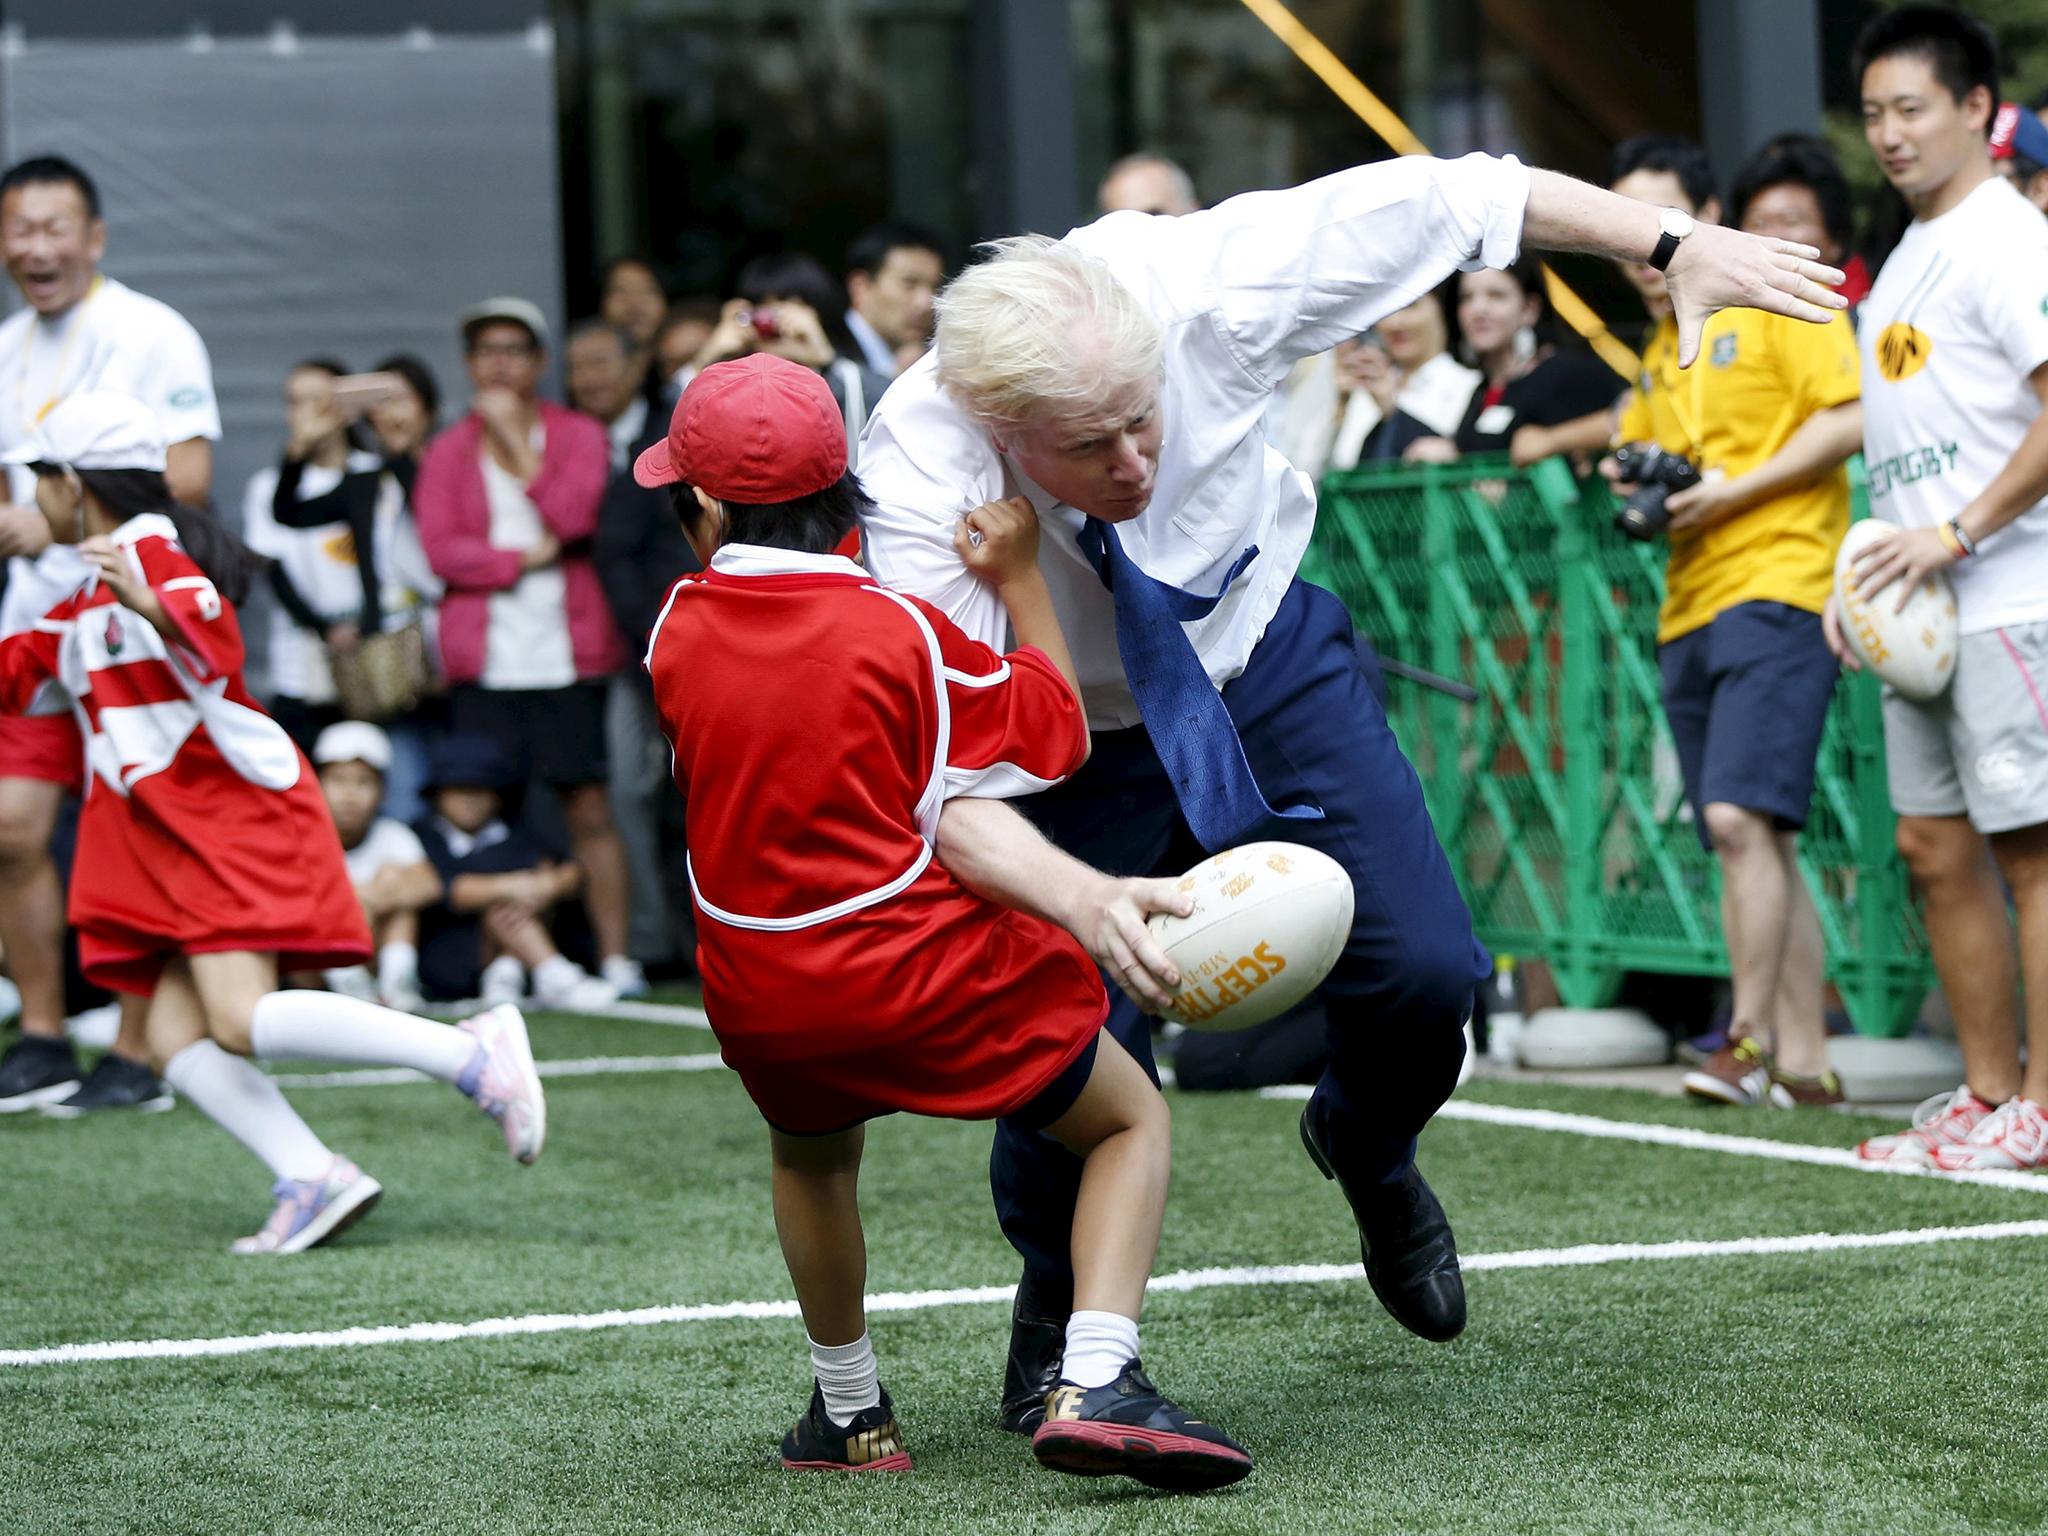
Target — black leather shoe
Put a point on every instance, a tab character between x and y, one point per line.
1038	1347
1411	1259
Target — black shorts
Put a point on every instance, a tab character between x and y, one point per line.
552	736
1747	696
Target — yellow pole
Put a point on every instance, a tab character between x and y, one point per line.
1384	121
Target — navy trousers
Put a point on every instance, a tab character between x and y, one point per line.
1313	729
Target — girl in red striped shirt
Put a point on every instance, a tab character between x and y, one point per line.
206	859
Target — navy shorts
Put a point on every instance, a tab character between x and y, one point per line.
1746	697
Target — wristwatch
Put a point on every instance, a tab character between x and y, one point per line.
1676	224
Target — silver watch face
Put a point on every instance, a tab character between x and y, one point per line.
1676	223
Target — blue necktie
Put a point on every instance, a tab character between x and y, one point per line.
1184	714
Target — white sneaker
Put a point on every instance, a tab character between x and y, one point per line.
404	995
1945	1120
504	981
311	1211
352	981
571	988
2012	1136
625	975
503	1082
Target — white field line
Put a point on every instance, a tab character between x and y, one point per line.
985	1295
582	1066
1699	1141
650	1013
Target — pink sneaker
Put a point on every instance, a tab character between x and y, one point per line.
2014	1135
311	1211
1942	1121
501	1078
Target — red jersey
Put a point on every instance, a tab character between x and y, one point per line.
203	827
820	721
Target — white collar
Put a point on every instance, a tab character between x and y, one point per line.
462	844
761	560
875	351
147	525
631	422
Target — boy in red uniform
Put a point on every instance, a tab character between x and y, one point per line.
207	861
820	722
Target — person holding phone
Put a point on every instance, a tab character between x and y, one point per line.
336	521
789	306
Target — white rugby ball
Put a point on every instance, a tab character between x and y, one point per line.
1914	649
1270	919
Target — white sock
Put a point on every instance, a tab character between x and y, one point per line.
1099	1346
232	1093
847	1376
324	1026
398	967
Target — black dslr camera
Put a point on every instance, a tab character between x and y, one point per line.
1655	475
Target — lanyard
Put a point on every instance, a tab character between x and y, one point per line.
1675	387
28	343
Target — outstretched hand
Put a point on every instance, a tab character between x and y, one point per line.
1717	268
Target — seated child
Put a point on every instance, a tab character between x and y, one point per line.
819	722
490	928
387	866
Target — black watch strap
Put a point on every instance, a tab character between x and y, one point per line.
1667	247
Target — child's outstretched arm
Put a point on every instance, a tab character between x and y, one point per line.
1005	555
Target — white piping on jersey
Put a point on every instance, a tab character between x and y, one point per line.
998	781
933	800
979	680
844	908
929	803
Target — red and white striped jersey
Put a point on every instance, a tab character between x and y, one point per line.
203	827
145	704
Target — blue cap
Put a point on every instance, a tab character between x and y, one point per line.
2017	132
467	762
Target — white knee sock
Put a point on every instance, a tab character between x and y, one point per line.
1099	1346
398	967
847	1376
324	1026
238	1098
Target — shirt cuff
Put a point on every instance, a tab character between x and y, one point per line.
1496	188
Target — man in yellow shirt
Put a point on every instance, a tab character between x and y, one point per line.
1767	414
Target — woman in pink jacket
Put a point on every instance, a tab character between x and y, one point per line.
507	502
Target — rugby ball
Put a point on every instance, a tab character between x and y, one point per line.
1270	919
1914	649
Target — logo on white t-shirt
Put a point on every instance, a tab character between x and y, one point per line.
1902	351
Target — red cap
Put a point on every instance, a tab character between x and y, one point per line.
755	430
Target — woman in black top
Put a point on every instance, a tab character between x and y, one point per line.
1528	381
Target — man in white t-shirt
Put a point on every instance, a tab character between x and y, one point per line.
394	879
1955	374
78	329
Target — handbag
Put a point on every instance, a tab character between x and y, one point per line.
384	675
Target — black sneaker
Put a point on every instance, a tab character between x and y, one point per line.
1405	1240
35	1071
1038	1343
871	1443
115	1083
1128	1429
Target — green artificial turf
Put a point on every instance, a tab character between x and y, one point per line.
1887	1390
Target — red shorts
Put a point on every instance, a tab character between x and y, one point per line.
935	1003
43	747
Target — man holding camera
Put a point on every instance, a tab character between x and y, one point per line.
1737	464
